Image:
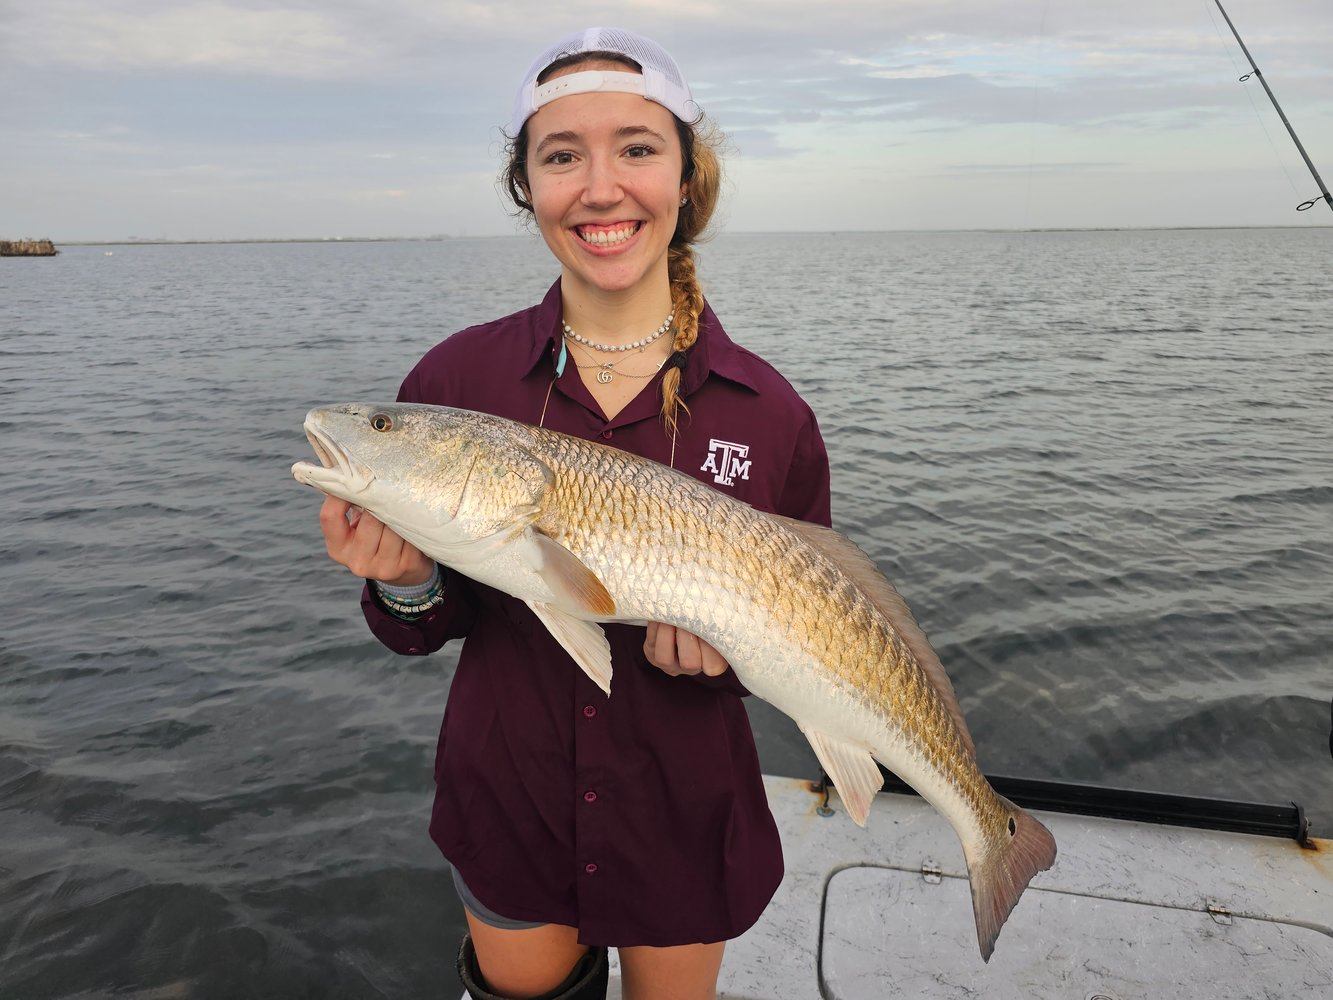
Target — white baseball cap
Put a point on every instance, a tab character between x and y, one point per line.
660	81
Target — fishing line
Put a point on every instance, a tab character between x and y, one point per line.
1255	72
1243	75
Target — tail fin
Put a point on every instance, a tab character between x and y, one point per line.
1003	868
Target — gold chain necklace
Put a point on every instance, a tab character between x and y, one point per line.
605	369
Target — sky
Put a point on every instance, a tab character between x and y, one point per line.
236	119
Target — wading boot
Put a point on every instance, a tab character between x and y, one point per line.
586	981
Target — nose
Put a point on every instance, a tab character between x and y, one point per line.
601	187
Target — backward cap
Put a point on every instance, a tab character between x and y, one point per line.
662	80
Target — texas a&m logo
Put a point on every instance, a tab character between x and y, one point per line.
724	461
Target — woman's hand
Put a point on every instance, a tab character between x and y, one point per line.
675	651
365	546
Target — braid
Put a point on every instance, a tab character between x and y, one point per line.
700	143
687	299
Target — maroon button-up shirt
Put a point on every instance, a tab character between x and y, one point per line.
641	818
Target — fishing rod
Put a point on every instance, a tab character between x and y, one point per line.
1303	206
1254	71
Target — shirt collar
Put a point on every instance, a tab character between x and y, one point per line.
546	334
714	352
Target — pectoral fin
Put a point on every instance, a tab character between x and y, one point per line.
584	641
576	587
852	769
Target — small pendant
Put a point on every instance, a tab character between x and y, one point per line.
604	376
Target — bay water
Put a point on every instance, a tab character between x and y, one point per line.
1096	464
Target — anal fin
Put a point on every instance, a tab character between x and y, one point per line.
583	640
852	769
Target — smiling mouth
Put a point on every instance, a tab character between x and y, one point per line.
605	236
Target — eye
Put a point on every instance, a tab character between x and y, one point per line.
381	422
561	159
639	151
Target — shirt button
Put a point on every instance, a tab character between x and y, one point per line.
590	868
589	796
589	710
606	434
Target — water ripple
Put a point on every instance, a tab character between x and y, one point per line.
1096	465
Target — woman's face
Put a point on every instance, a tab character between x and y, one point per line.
604	177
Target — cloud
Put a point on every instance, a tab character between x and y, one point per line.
760	143
1066	167
167	37
335	104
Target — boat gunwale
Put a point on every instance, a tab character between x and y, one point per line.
1287	822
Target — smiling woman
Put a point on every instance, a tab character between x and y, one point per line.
575	822
677	170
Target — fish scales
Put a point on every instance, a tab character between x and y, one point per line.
648	521
585	533
645	522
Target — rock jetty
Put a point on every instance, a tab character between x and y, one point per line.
27	248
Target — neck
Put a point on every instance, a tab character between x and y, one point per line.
615	318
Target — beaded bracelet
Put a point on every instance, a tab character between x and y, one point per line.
413	593
414	607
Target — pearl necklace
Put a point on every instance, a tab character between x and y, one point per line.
608	348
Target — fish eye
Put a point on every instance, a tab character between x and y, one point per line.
381	422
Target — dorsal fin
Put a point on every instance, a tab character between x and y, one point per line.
859	566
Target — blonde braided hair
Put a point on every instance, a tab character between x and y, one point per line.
701	143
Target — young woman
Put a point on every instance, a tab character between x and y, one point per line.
574	821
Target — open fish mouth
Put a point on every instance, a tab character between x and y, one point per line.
338	472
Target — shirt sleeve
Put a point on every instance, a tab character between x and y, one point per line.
452	618
806	495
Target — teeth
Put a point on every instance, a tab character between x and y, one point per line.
603	237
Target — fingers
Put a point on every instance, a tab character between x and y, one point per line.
365	546
333	522
714	663
659	645
675	651
688	652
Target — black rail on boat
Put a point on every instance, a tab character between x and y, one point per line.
1265	820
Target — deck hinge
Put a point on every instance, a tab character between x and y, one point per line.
1220	914
931	871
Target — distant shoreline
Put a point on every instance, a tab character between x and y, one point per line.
264	239
752	232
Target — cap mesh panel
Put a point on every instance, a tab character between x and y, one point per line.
642	53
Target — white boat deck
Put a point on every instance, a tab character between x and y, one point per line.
1130	910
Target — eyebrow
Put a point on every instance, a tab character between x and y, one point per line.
624	132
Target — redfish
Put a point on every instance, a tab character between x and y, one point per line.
585	534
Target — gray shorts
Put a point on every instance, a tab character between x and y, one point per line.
486	915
